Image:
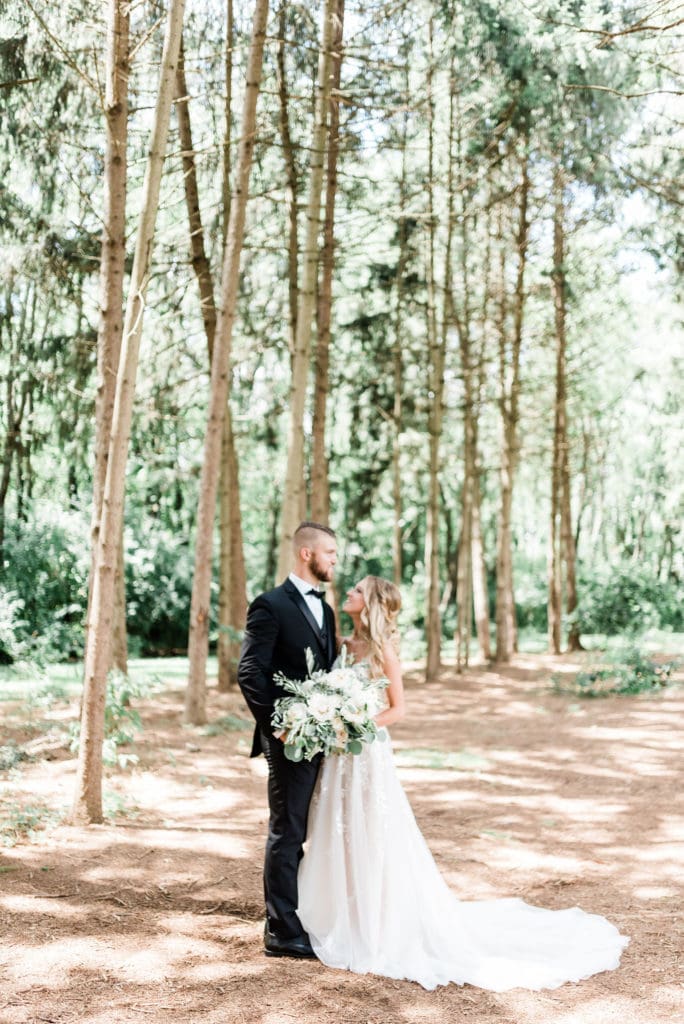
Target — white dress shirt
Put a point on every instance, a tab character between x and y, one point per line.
315	604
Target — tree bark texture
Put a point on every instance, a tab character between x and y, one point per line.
435	397
291	180
509	383
320	486
562	537
198	646
87	805
398	363
294	493
232	583
112	270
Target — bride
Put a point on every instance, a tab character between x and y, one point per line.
370	894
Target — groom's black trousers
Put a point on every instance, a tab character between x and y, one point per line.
290	785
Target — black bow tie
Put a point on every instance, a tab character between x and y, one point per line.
315	593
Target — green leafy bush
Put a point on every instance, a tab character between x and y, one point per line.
629	600
44	594
158	589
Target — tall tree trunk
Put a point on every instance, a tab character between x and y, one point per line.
195	698
294	490
479	567
562	535
232	604
436	386
291	183
554	603
320	486
464	573
479	570
199	259
228	125
88	798
509	378
320	483
112	270
398	362
232	610
232	588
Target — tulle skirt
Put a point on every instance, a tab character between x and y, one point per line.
373	901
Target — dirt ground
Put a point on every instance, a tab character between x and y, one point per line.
158	916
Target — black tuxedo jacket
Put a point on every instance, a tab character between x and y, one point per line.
279	629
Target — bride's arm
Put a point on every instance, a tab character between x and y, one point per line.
395	691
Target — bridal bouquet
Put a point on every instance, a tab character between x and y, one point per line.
328	712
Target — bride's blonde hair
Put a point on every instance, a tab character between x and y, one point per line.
382	601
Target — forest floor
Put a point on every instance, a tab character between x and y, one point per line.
157	915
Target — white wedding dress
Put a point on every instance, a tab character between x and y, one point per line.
373	901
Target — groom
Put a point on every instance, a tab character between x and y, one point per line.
281	624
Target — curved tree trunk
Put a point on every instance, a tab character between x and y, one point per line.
87	805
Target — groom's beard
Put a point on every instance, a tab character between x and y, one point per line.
324	575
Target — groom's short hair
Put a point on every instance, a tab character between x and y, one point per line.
305	534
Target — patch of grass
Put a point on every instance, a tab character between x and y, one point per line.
424	757
624	673
24	821
11	755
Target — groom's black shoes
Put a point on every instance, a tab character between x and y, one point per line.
275	945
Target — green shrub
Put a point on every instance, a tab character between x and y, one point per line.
46	576
159	573
627	600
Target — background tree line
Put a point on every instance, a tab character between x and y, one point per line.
414	268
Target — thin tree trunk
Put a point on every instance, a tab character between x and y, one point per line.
320	485
195	698
291	184
553	612
228	125
88	798
232	588
232	609
199	259
398	364
506	626
294	491
436	384
112	270
565	547
464	575
232	605
479	570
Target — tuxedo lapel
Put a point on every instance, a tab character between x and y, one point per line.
298	599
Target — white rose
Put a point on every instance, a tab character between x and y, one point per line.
322	707
297	713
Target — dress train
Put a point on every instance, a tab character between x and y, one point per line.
373	900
